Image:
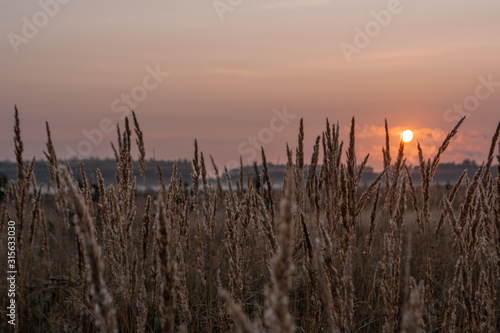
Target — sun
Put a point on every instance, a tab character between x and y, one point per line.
407	136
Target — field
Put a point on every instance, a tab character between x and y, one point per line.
320	254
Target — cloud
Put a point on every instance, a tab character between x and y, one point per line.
467	144
296	4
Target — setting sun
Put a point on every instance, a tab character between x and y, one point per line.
407	136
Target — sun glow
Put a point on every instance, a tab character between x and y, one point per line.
407	136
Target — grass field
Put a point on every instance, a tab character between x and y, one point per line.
320	254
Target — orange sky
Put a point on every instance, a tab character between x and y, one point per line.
225	77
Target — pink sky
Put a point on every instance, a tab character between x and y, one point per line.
227	76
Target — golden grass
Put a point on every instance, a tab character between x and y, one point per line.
334	256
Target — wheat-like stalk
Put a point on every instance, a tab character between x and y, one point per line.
219	255
104	312
277	315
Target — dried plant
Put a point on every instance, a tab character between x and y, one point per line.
277	315
104	312
339	254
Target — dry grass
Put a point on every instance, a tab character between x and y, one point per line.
333	256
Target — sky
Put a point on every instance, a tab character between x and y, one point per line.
239	74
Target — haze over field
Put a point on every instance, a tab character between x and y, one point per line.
234	66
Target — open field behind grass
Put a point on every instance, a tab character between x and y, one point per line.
322	253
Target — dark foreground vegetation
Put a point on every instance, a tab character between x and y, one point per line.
323	253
